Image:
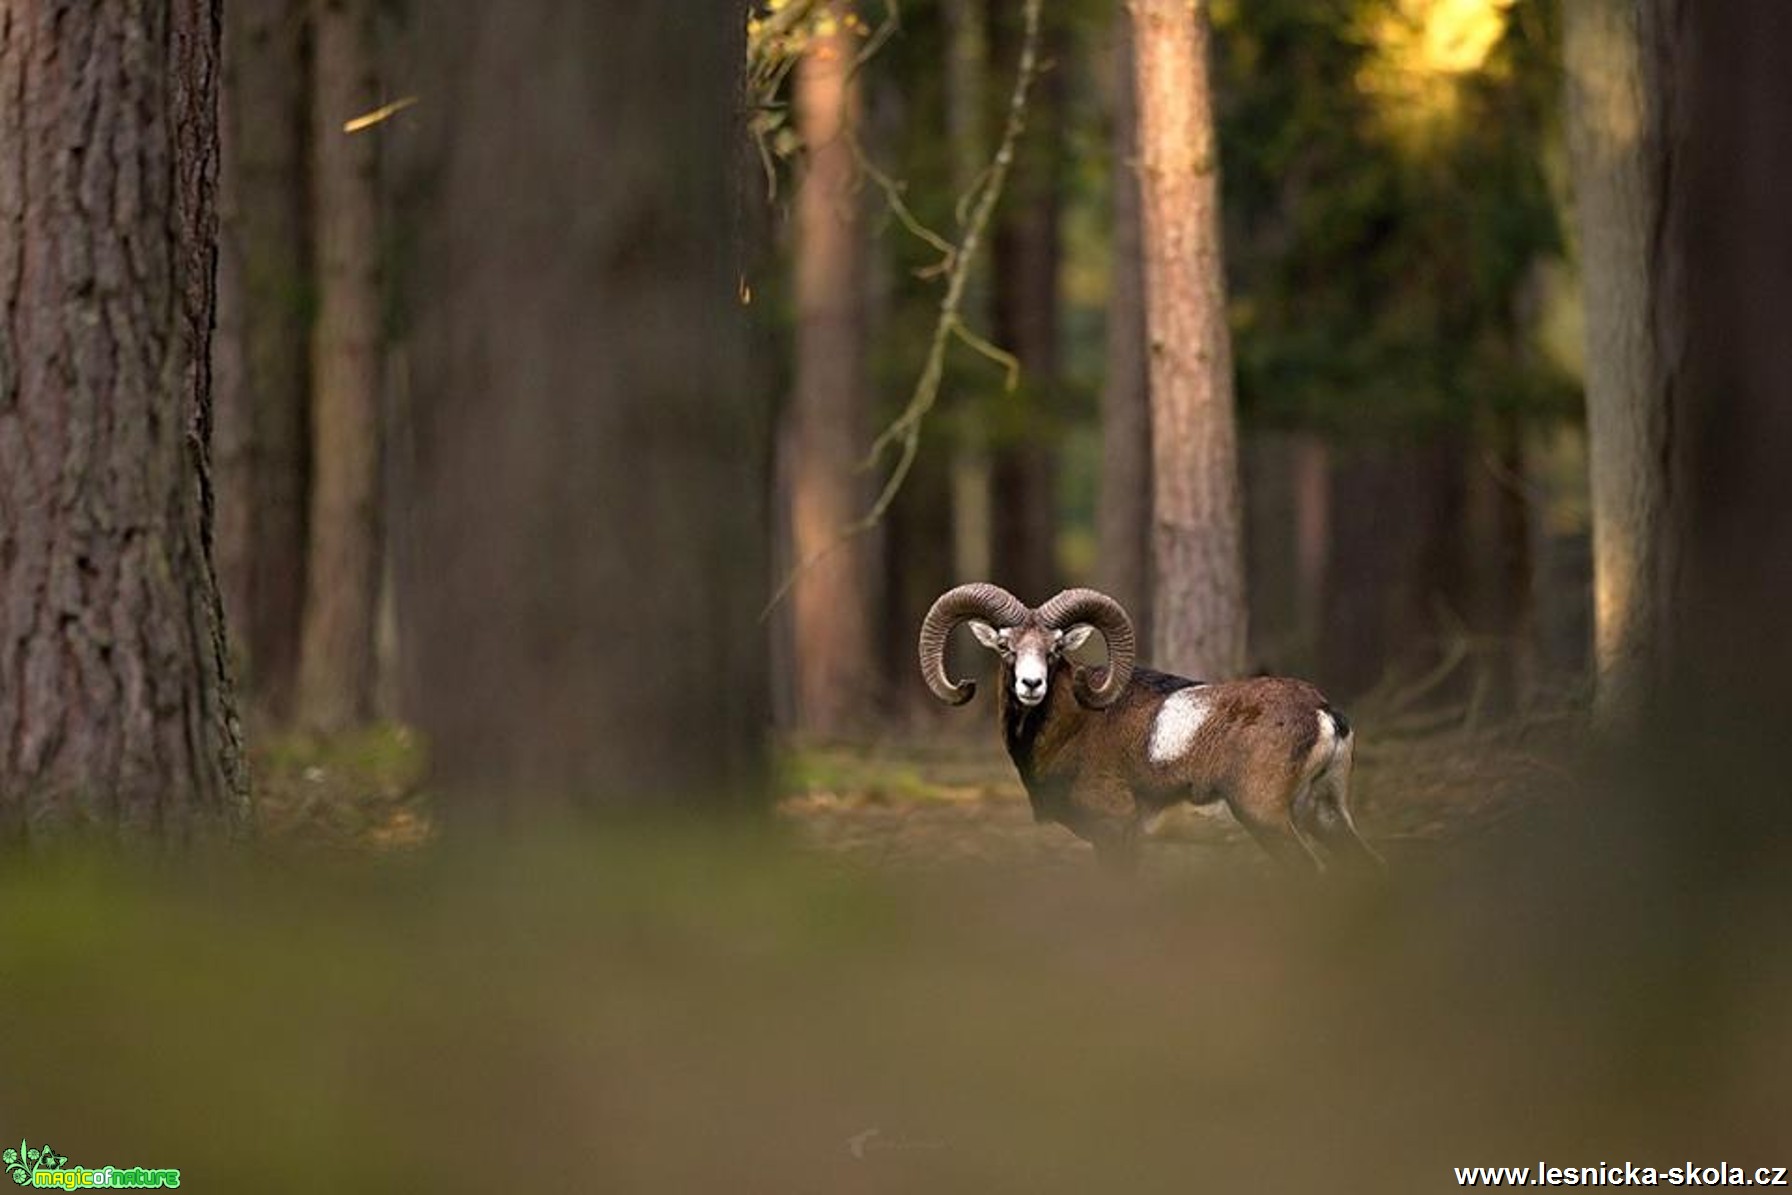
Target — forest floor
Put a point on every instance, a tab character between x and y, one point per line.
923	802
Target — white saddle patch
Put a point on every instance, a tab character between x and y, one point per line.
1173	730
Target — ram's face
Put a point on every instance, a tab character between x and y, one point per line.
1029	653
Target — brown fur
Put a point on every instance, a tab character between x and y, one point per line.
1259	749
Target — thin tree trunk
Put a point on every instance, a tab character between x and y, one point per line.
337	658
586	547
1026	255
115	710
261	368
967	73
1197	547
1124	515
911	545
1312	539
831	604
1614	155
1500	558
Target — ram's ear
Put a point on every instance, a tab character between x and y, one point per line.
987	635
1075	637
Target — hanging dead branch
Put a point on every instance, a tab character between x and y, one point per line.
903	435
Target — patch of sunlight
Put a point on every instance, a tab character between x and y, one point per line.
1422	50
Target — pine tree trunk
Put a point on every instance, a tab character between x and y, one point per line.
1197	547
913	550
261	367
1026	253
1498	542
1312	485
967	74
116	715
1614	155
586	545
337	655
1720	275
831	604
1124	515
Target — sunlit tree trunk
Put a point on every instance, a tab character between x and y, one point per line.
1614	156
337	655
585	546
1124	515
260	352
1026	254
116	713
831	604
1197	553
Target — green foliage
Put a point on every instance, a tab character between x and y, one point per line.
1381	245
355	789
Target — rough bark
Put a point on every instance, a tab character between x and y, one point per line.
115	712
1614	144
342	576
1196	545
261	371
1124	513
1721	284
831	604
585	552
1026	253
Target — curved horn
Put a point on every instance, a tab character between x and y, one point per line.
977	600
1109	617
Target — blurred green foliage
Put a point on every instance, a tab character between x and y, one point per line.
640	1012
1385	243
1389	249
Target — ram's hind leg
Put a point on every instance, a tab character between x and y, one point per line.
1332	824
1274	830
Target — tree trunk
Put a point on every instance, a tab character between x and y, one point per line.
967	74
337	657
1312	485
586	546
116	714
1026	255
1500	559
260	369
913	544
831	604
1720	286
1124	515
1196	547
1615	159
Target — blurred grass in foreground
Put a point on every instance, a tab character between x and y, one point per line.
635	1011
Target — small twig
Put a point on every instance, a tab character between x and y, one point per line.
775	25
885	30
892	191
1008	361
904	432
